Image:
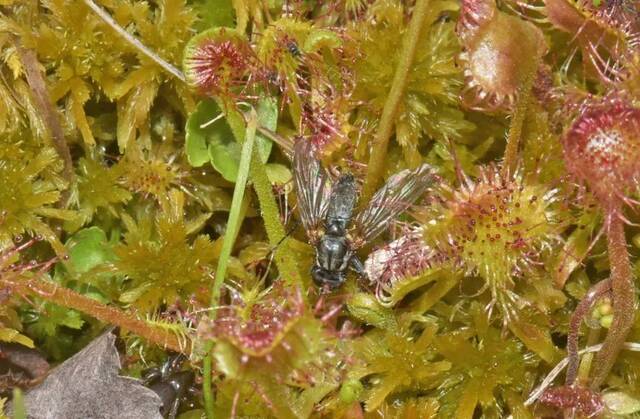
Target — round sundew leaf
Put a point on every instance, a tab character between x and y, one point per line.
320	38
216	60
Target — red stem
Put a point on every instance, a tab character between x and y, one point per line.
582	310
68	298
623	301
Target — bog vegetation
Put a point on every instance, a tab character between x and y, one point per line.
146	183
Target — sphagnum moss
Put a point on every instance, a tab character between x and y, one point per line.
106	156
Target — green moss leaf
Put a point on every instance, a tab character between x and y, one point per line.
214	13
51	318
366	308
12	335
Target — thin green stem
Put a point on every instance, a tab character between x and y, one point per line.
227	246
207	388
106	17
19	408
236	205
390	109
517	121
623	298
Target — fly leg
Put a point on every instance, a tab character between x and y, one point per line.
357	265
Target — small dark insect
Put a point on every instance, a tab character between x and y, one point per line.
327	210
20	367
293	49
171	384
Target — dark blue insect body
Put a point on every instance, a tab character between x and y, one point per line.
172	385
327	213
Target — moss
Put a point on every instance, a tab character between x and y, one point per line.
117	172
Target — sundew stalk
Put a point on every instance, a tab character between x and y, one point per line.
387	120
623	296
517	121
601	150
582	310
270	213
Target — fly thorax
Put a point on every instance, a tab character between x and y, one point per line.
333	252
336	227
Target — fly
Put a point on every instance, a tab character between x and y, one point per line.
326	211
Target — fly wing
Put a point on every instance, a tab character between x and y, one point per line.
400	191
312	188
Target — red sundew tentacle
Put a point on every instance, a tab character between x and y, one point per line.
218	61
604	34
601	149
473	15
583	309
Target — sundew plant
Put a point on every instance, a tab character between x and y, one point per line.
151	179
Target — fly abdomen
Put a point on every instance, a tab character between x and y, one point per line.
341	203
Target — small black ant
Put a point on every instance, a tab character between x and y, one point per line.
173	385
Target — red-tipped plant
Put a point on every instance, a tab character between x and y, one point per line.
602	150
219	62
500	52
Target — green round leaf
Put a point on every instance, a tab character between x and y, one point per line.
225	158
620	403
278	174
88	248
200	131
211	139
320	38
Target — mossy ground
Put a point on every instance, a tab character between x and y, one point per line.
157	188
